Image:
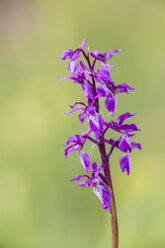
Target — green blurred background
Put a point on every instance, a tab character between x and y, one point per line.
39	208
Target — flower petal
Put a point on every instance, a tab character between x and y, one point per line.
85	69
83	43
74	139
77	103
123	88
104	196
108	55
87	89
74	78
85	160
88	183
71	149
123	117
126	128
77	178
104	73
96	124
124	144
101	92
136	145
82	117
125	163
67	54
73	110
110	103
73	66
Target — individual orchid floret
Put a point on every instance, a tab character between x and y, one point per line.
104	57
87	110
106	87
78	77
98	183
73	56
120	127
95	119
126	146
103	74
78	142
111	100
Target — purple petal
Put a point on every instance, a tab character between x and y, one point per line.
123	88
108	55
71	149
124	116
104	196
104	73
83	43
77	178
85	160
126	128
76	55
112	126
124	144
87	89
74	139
75	79
77	103
73	110
110	103
67	54
82	117
95	55
73	66
125	163
101	92
136	145
96	124
84	184
88	183
85	69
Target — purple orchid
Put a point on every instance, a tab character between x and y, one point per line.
98	183
96	85
120	127
106	87
104	57
95	119
73	55
78	142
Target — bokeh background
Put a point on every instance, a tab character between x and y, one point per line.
39	208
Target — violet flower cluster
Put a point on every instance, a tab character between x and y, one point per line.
97	84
